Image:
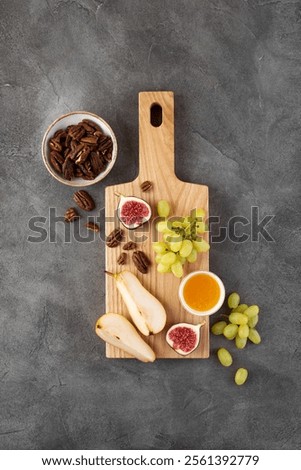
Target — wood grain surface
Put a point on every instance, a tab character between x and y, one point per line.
156	164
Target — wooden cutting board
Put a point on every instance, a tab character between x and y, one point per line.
156	164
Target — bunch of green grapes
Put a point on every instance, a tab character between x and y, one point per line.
241	328
181	239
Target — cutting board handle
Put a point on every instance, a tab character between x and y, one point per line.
156	142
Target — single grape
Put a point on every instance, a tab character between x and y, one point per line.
200	227
201	246
175	246
200	213
238	318
243	331
169	258
230	331
233	300
224	357
186	222
177	224
163	268
254	336
159	247
193	256
253	321
240	342
158	258
240	308
252	311
241	376
162	226
218	328
176	269
186	248
169	236
163	208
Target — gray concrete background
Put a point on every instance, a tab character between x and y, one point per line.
235	69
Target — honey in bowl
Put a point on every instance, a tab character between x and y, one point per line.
202	292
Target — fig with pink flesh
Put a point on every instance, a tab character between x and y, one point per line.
184	338
133	211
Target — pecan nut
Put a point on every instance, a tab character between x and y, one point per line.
122	259
92	124
84	200
129	246
68	169
141	261
97	164
146	186
56	160
115	238
92	226
77	132
60	135
71	214
89	139
83	155
55	145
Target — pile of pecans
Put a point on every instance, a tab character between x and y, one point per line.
81	150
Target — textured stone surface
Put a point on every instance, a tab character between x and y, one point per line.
235	69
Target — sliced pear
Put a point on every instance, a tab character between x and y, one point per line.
116	330
147	313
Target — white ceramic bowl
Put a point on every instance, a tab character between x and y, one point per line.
216	306
67	120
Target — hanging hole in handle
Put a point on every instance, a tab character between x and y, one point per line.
156	115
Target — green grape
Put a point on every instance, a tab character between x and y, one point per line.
186	248
181	259
224	357
169	258
193	256
188	231
254	336
252	311
163	268
176	269
175	246
230	331
186	222
169	236
200	227
253	321
158	258
200	213
159	247
177	224
233	300
241	376
240	308
238	318
163	208
243	331
162	226
240	342
201	246
218	328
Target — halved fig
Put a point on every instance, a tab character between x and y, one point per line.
133	211
184	337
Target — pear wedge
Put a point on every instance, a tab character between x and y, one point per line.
147	313
115	329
